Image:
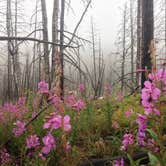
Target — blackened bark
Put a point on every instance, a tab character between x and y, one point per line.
61	46
139	38
147	36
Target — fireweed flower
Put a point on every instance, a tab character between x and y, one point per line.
159	76
81	88
49	143
127	140
128	113
21	101
54	122
119	162
57	121
79	105
115	125
70	101
150	91
142	124
4	157
32	141
151	109
43	87
20	128
66	123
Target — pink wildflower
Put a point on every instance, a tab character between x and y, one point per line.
32	141
70	101
21	101
54	122
150	91
66	123
49	143
81	88
5	158
129	113
57	121
20	128
79	105
142	124
115	125
127	140
119	162
43	87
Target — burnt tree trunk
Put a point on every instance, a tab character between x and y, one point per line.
147	36
8	26
124	48
139	38
62	46
132	40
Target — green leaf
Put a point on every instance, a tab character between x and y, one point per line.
153	134
131	160
153	159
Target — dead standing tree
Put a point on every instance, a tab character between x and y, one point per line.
139	38
147	36
132	40
45	45
9	30
54	36
62	46
124	48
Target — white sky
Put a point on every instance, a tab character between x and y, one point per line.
106	16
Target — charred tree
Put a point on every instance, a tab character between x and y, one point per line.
139	38
132	40
147	36
124	48
62	46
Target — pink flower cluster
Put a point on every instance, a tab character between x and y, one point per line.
43	87
127	140
49	143
57	121
32	141
20	128
149	94
119	162
129	113
79	105
5	158
142	124
81	88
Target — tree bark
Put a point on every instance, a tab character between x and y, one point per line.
124	48
62	46
147	36
45	38
8	25
54	36
139	38
132	40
